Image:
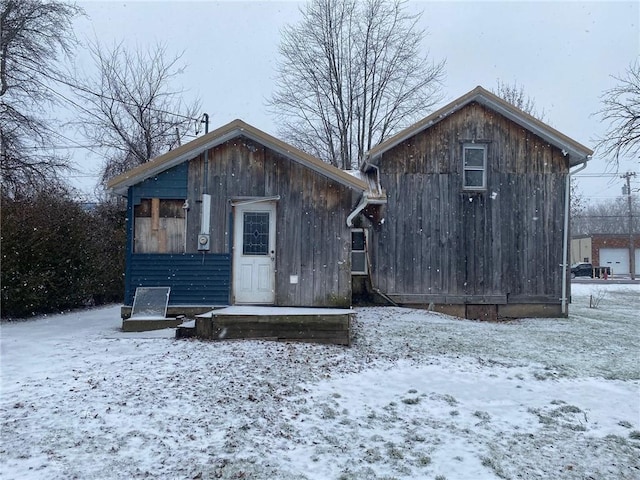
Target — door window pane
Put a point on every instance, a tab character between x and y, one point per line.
255	239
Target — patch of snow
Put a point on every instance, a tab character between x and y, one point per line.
356	173
418	395
143	317
266	310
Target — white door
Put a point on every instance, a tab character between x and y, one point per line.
616	258
254	247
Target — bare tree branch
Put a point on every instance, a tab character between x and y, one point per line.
610	216
129	106
621	112
516	96
351	74
34	36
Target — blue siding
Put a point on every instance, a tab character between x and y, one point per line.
195	279
170	184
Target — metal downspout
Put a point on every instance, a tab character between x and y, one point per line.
565	246
364	201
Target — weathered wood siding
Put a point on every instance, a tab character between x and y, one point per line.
441	244
312	239
317	328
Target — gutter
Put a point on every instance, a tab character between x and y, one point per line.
364	202
369	197
565	247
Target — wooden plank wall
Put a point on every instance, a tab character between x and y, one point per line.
440	241
312	239
317	328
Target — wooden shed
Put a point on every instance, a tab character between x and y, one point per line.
238	217
476	220
465	212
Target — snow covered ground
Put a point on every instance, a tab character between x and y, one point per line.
418	396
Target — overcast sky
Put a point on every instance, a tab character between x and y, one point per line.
563	53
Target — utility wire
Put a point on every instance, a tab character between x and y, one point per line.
598	175
64	97
63	147
107	97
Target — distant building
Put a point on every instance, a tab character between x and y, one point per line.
606	250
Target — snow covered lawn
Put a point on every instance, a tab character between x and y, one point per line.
418	395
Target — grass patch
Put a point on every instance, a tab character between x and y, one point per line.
493	465
484	416
569	409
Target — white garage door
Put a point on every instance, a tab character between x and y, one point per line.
616	258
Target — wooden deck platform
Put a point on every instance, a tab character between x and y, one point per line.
317	325
146	324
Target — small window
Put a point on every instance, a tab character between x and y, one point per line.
358	251
475	167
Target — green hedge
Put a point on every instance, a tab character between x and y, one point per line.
58	254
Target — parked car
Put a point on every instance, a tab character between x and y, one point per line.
581	270
588	270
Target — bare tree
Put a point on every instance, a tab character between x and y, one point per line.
621	111
611	216
130	107
34	36
577	206
351	74
516	96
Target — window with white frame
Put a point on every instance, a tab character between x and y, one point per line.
358	251
474	161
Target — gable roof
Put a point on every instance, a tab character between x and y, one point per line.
577	152
231	130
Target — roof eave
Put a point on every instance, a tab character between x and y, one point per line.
577	153
122	185
237	128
